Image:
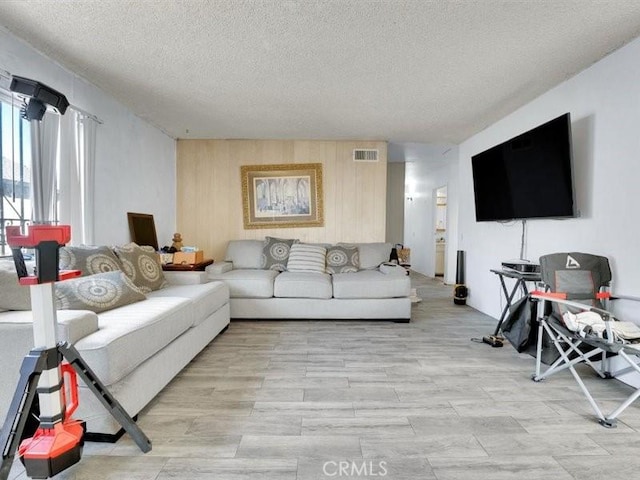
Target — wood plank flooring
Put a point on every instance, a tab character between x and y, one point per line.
303	400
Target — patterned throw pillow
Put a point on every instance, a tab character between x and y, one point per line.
142	266
100	292
306	258
275	253
343	259
89	259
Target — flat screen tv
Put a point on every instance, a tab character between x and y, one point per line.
526	177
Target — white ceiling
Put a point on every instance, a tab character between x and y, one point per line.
404	71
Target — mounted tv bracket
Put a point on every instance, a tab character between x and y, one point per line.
58	440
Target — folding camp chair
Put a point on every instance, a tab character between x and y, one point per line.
571	311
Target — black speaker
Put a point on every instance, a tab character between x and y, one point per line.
460	291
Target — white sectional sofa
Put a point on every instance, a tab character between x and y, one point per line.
375	291
135	349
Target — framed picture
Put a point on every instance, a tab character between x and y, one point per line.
281	196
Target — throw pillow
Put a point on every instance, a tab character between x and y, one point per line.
142	266
245	253
13	296
99	292
89	259
342	259
372	255
306	258
275	253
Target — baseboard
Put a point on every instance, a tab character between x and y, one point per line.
394	320
106	437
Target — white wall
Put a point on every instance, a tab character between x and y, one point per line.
135	162
604	102
422	177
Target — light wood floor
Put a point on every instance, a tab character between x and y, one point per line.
287	400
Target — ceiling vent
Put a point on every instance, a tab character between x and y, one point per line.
365	155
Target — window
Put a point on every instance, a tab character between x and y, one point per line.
65	173
15	169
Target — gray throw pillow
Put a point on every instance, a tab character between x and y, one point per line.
275	253
89	259
142	266
98	293
342	259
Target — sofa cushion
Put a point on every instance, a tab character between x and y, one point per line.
342	259
99	292
89	259
245	253
131	334
72	324
302	285
275	253
248	283
373	254
306	258
370	284
13	296
207	298
142	266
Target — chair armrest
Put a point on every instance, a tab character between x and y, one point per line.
218	268
581	306
624	297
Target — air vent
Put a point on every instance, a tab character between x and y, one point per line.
365	155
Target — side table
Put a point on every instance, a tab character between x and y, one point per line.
187	267
521	280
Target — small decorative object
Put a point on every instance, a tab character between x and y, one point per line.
187	256
177	242
281	196
404	256
166	258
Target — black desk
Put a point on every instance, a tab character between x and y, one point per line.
521	283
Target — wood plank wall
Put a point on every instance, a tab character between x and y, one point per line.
209	194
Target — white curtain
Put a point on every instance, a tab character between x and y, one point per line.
44	143
77	175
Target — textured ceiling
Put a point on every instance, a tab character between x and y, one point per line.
404	71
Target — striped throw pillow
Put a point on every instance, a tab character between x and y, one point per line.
306	258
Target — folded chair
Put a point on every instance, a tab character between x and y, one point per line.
572	311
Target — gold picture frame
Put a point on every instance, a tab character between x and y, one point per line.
282	196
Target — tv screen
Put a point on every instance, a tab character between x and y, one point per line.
528	176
